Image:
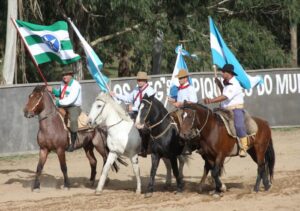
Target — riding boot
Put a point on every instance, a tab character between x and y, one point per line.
73	139
244	147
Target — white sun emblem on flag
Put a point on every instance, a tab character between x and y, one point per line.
52	42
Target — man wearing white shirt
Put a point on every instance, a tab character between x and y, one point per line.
69	97
134	98
186	91
232	98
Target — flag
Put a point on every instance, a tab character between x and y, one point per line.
94	64
179	64
222	55
48	43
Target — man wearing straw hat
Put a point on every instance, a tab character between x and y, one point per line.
134	98
186	92
69	98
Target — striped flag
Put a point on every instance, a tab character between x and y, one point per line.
222	55
180	64
94	64
48	43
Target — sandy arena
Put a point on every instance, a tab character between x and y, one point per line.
17	173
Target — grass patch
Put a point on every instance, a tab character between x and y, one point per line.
18	157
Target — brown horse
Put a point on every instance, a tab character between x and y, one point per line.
208	133
53	136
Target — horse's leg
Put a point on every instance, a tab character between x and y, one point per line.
41	163
204	176
93	162
112	156
181	160
215	173
63	166
155	161
136	170
176	174
169	172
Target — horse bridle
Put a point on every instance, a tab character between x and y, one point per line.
195	131
110	126
158	123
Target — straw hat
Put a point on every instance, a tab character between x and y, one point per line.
142	76
182	74
67	72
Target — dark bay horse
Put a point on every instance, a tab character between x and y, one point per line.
165	141
53	136
208	133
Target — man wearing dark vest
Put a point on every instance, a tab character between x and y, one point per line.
134	99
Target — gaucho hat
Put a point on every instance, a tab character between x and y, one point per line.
229	68
142	76
67	72
182	74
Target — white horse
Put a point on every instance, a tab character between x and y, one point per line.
123	138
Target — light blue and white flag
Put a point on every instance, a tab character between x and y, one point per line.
222	55
94	64
180	64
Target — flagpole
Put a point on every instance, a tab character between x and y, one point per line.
81	38
31	56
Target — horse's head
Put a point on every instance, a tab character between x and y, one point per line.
34	105
144	110
97	113
188	120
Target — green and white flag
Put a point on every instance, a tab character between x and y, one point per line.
48	43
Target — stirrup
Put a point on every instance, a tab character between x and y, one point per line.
242	153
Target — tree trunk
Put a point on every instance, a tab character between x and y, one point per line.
157	53
294	46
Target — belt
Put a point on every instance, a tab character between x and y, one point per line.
238	106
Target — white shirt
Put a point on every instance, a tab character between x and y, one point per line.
72	95
188	94
234	93
133	98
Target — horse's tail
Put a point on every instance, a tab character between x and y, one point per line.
115	166
270	159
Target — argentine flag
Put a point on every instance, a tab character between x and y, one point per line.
94	64
180	64
222	55
47	43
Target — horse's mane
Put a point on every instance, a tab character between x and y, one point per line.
39	88
108	99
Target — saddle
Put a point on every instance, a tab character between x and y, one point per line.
227	118
82	120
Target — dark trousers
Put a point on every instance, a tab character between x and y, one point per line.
73	112
239	122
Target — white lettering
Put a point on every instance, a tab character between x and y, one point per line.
282	85
268	84
293	83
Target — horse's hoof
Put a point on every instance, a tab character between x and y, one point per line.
178	193
148	195
268	187
217	195
98	192
211	192
66	188
36	190
223	188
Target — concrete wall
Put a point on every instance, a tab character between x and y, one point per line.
277	101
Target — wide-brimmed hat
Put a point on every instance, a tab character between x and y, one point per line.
142	76
67	72
229	68
182	74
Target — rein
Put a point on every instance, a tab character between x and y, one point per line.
158	123
198	131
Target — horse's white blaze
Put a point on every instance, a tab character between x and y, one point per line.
184	115
138	118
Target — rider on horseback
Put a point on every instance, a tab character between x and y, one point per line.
69	98
232	98
134	98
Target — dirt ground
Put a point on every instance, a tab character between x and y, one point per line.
17	173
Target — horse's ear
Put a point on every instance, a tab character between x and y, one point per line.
146	96
184	103
151	97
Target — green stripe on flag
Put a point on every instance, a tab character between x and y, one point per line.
48	56
59	25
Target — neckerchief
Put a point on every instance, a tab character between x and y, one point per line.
183	87
140	93
63	92
226	82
